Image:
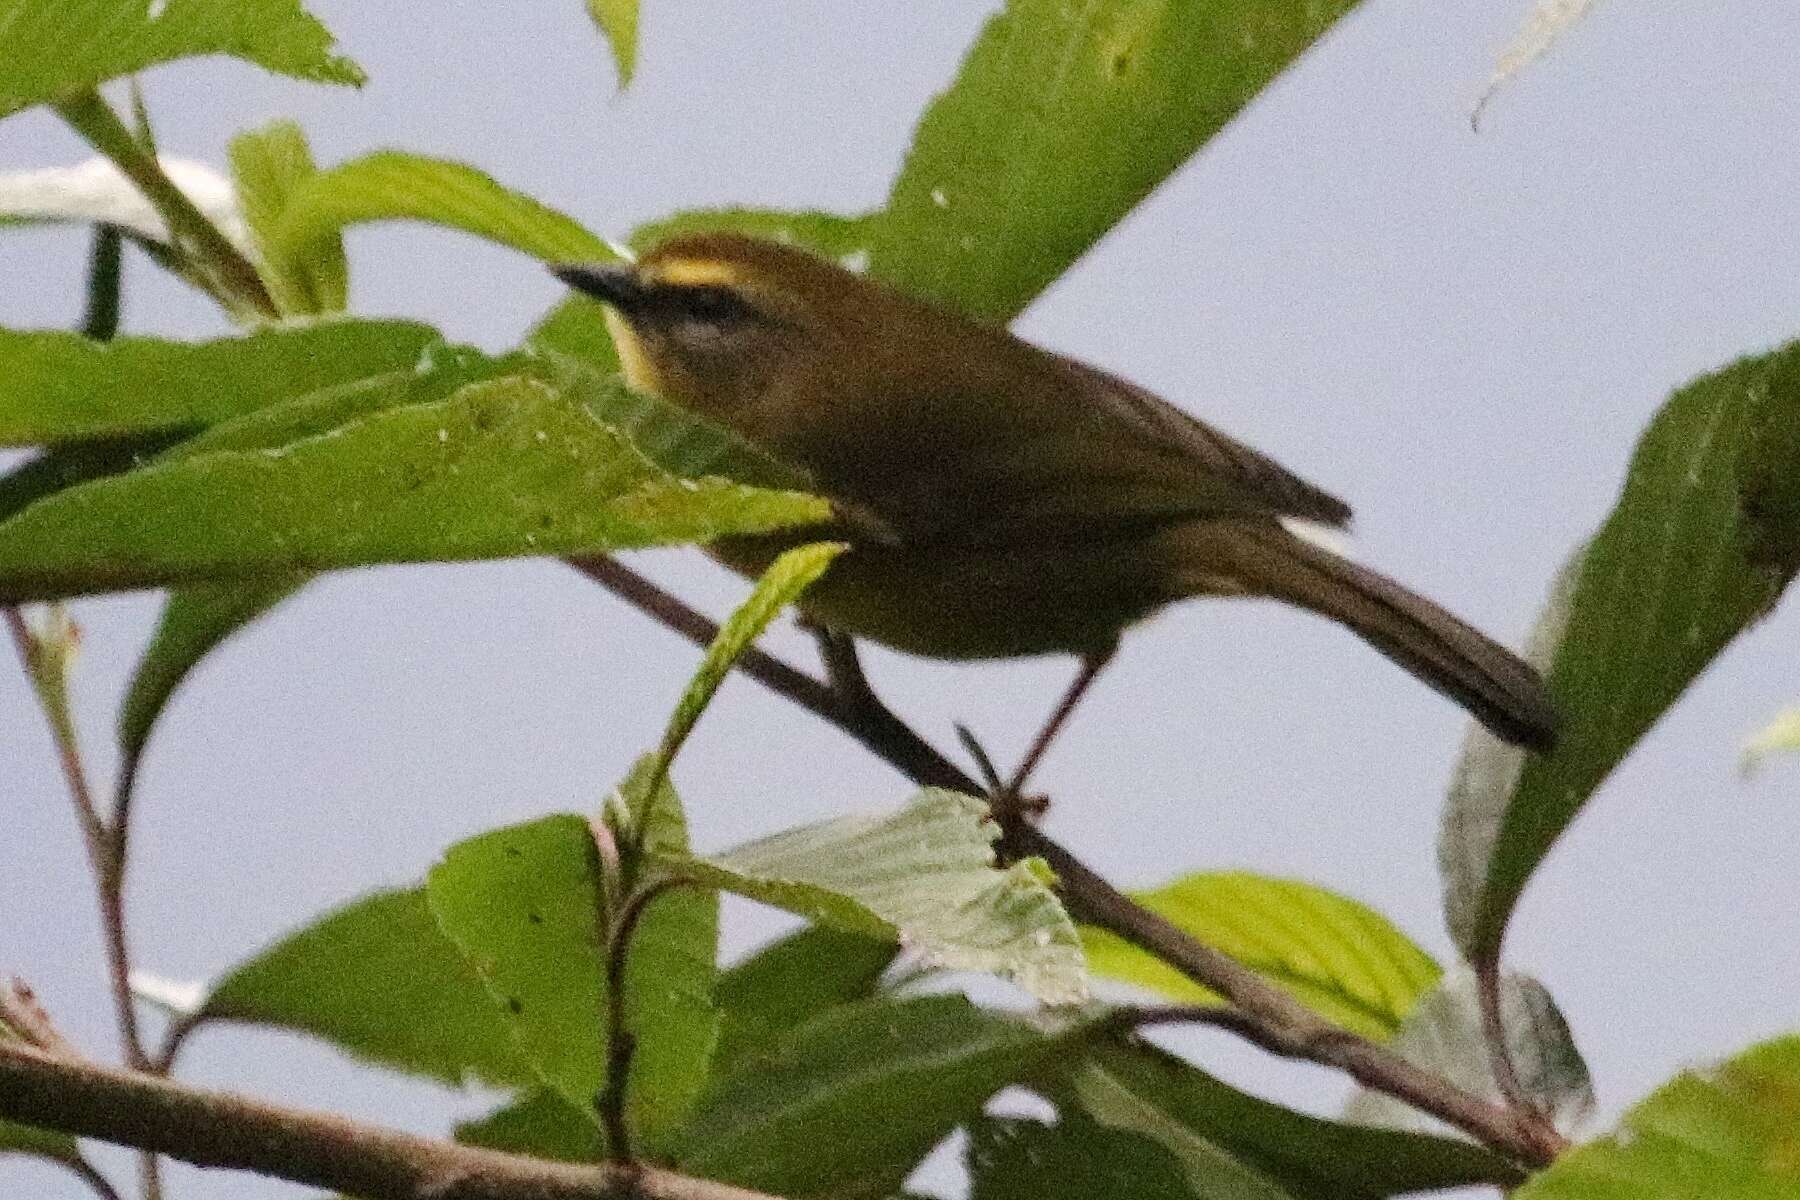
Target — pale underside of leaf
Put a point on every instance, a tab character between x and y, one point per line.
97	191
1445	1036
924	876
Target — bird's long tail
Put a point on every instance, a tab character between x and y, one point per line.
1495	685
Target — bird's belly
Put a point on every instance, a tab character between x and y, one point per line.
968	602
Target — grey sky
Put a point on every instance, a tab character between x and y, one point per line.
1462	335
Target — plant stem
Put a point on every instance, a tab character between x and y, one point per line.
105	277
221	1129
621	1043
102	846
234	279
1263	1013
1493	1032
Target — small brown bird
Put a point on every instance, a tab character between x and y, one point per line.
1037	505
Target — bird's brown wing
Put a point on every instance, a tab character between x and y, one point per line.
1189	456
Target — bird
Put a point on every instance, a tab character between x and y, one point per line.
1028	503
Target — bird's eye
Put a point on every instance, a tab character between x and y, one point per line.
712	304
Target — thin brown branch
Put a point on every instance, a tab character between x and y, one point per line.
862	717
104	849
175	1036
1493	1032
1280	1024
1265	1015
98	1183
219	1129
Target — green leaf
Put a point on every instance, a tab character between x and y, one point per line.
38	1143
1337	956
268	164
923	876
670	436
1062	118
1445	1036
527	905
53	47
1728	1133
1705	536
787	577
1780	736
671	969
502	468
830	234
847	1105
194	621
440	372
542	1124
75	462
58	386
618	20
575	328
792	981
1221	1135
198	618
390	186
524	905
378	980
1079	1159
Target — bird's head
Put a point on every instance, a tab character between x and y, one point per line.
715	321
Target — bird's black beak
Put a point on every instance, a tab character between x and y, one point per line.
616	284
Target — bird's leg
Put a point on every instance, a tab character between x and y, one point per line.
1091	666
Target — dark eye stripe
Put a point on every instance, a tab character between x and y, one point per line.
707	302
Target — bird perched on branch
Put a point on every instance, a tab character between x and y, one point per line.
1036	504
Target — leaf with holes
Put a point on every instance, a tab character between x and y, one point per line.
197	619
1704	538
1339	957
525	907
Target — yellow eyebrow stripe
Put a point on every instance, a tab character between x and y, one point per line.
694	273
